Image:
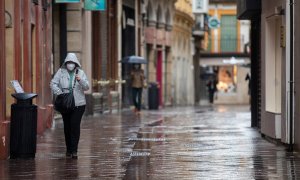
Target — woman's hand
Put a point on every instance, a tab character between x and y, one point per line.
77	77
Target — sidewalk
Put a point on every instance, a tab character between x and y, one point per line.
175	143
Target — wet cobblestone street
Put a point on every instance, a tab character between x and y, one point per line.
174	143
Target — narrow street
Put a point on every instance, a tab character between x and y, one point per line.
175	143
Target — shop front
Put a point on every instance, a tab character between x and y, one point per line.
231	78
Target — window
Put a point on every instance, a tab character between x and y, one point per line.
227	77
228	33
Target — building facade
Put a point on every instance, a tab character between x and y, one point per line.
200	11
183	84
273	118
279	41
26	55
158	25
37	35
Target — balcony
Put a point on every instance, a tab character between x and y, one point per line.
200	32
201	25
227	45
226	51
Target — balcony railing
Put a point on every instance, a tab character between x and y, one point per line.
227	45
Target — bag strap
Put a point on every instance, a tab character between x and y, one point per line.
76	72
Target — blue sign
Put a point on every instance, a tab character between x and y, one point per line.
213	22
67	1
95	5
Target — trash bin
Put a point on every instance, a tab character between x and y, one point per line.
153	96
23	127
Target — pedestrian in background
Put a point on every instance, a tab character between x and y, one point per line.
137	84
248	78
212	88
71	78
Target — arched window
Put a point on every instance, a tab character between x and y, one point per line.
168	20
149	13
159	17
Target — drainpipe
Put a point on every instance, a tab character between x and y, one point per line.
291	113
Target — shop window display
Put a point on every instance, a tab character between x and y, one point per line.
227	77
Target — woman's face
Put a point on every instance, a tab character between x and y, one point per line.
71	66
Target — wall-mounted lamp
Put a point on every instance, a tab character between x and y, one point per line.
278	11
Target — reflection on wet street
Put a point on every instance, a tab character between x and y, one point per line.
174	143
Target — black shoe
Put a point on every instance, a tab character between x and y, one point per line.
74	156
68	154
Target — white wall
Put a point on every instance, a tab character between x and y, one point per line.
273	58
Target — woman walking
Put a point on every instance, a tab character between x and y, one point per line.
71	78
137	84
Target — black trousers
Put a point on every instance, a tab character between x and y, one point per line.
211	96
72	122
137	97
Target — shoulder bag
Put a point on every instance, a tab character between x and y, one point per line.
65	103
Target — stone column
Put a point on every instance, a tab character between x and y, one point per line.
87	57
152	64
87	46
27	49
119	48
168	78
164	74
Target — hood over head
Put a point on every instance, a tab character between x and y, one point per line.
71	57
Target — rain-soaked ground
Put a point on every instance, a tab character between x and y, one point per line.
174	143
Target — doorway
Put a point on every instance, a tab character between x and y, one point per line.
96	50
128	49
159	75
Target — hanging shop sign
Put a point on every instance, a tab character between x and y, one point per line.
213	22
67	1
200	6
95	5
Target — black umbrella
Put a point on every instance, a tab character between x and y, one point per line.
134	60
207	75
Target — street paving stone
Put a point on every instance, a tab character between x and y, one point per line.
174	143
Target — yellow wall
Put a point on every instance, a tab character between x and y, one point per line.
184	6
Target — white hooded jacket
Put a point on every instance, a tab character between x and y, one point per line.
60	82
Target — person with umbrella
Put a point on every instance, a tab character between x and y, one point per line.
137	78
137	84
